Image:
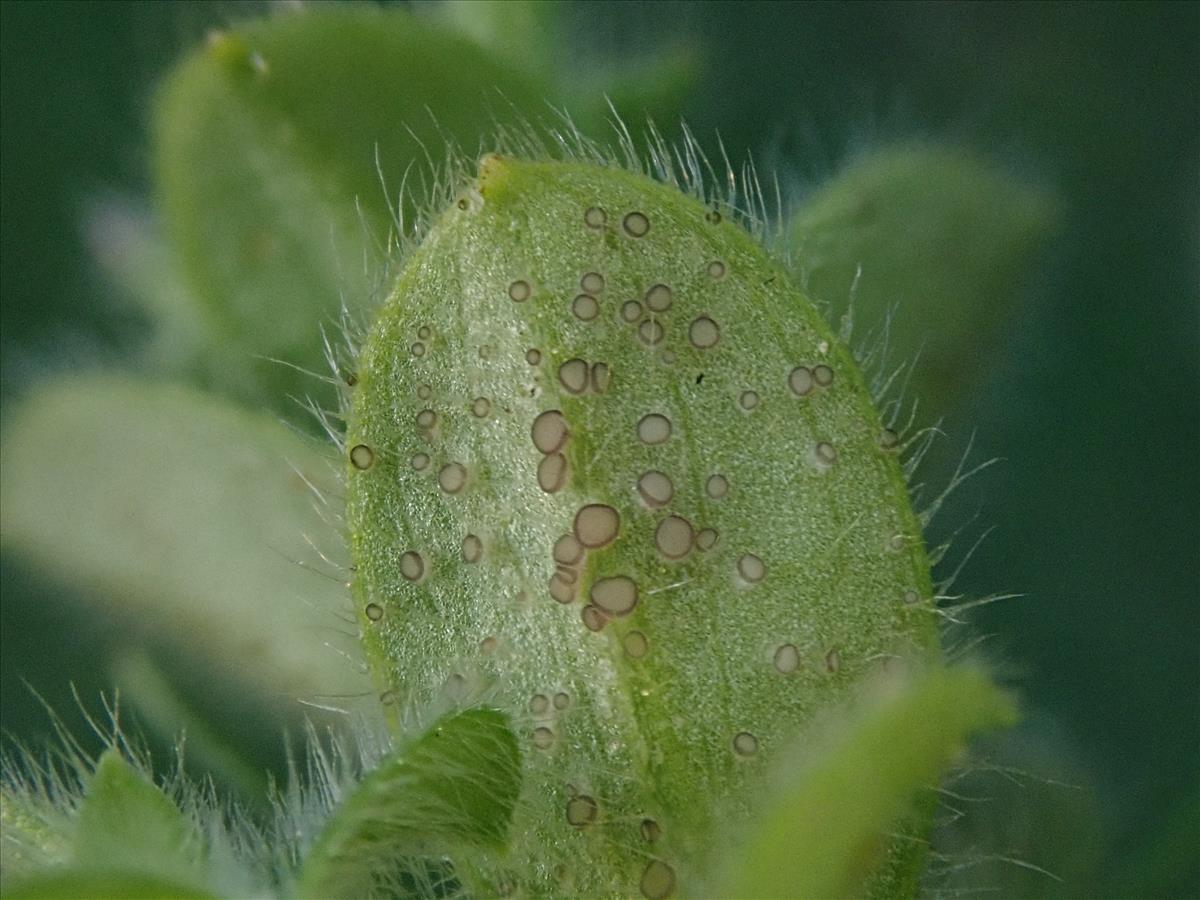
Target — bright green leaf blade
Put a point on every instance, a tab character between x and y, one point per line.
185	518
266	148
823	834
942	235
74	883
455	787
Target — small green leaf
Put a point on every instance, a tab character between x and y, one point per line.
454	787
185	518
266	149
826	830
74	883
941	235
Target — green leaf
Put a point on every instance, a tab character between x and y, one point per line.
266	144
826	829
74	883
943	237
185	519
127	824
455	787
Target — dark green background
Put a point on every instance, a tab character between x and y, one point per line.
1092	395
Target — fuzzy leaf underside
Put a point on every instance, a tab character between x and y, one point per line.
454	787
784	566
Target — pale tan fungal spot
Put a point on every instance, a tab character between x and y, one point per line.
539	704
412	566
581	811
823	375
374	612
549	431
387	698
616	596
659	298
418	349
706	539
650	331
596	525
480	407
533	356
562	589
594	618
651	831
489	644
654	429
635	644
592	282
658	881
655	489
800	380
594	217
573	375
562	700
751	568
673	537
452	477
824	454
601	377
567	550
717	486
631	311
424	332
716	269
552	473
787	659
426	419
424	392
570	576
911	597
420	461
636	224
748	400
472	549
888	439
585	307
519	291
543	738
833	661
361	456
745	744
704	333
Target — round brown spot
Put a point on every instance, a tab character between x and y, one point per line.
567	550
800	380
489	644
717	486
654	429
636	224
658	881
539	704
596	525
533	356
824	454
424	392
751	568
519	291
748	400
585	307
706	539
651	831
635	644
361	456
745	744
412	566
552	473
417	349
424	332
704	333
472	549
562	589
374	612
716	269
480	407
594	217
616	596
911	597
601	377
426	419
452	477
420	461
573	376
888	439
787	659
659	298
549	431
823	375
655	489
592	282
650	332
594	618
833	661
562	700
543	738
631	311
582	810
673	537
